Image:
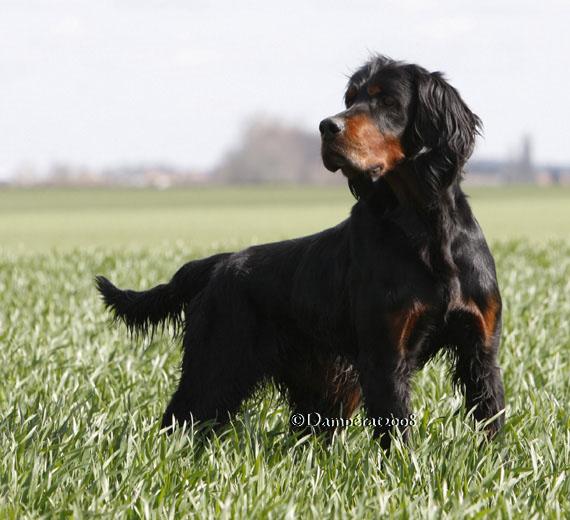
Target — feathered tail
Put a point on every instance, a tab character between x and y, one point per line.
144	311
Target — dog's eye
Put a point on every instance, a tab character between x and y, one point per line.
388	101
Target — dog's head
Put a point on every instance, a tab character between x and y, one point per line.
395	111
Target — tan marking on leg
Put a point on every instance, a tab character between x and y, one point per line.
403	322
486	319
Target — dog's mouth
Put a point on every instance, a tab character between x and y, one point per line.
334	160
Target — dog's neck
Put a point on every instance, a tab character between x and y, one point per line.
409	195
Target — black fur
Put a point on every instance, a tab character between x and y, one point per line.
356	309
144	311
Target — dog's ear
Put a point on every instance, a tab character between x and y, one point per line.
443	122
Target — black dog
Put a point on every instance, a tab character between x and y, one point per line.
353	311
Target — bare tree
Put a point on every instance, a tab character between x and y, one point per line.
271	151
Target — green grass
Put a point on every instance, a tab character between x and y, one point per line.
79	400
38	220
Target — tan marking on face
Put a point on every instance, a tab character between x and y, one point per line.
373	89
367	147
402	323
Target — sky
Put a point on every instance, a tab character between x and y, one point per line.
101	83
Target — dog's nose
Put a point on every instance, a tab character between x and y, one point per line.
331	127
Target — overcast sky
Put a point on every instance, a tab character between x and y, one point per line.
100	82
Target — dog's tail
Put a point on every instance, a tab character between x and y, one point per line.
144	311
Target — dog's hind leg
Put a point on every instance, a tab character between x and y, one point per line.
323	392
219	370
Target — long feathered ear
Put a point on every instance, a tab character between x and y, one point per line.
443	122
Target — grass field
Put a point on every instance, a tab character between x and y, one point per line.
80	401
38	220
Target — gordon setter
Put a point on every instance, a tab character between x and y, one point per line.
349	314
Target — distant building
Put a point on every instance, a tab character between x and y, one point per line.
484	172
520	169
273	152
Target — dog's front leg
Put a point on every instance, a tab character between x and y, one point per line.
388	356
385	378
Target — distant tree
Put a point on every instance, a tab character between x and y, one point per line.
271	151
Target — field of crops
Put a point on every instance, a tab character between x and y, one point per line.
80	401
39	220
